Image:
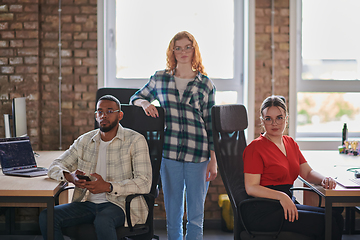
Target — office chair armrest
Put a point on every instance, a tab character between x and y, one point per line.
65	187
252	200
306	189
149	199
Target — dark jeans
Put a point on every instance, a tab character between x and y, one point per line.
263	216
106	217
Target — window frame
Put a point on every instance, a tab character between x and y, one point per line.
108	68
310	140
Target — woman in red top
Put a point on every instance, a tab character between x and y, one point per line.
272	162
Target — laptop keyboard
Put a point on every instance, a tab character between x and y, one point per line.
356	180
29	170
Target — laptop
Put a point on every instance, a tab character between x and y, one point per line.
17	158
348	182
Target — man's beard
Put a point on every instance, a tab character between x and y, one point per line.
112	125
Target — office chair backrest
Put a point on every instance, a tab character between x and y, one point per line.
123	94
229	123
152	129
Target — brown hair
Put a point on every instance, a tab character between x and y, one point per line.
196	61
276	101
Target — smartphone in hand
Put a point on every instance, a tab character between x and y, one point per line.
83	177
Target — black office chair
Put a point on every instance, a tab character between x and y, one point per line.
229	123
153	131
123	94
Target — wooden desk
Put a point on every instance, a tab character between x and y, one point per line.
333	164
35	191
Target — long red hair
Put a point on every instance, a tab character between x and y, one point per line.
196	61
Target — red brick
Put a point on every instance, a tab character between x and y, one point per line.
7	34
88	79
7	70
67	61
78	44
66	53
80	105
67	70
88	9
16	43
51	53
28	51
71	27
93	70
90	44
93	53
6	16
23	69
31	60
92	36
27	34
70	10
81	36
90	61
66	36
51	35
80	53
3	61
16	26
89	25
31	8
4	43
31	43
16	78
89	96
50	44
16	60
4	8
3	80
6	52
27	17
80	18
16	8
80	70
78	61
4	25
66	18
47	61
51	70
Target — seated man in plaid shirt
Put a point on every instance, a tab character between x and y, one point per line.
118	163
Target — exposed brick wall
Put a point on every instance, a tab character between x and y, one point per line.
78	69
19	61
263	55
29	67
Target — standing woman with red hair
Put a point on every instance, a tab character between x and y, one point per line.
189	163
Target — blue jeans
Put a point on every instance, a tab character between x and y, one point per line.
106	217
178	178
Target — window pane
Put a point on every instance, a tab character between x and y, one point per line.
225	97
145	28
327	112
330	40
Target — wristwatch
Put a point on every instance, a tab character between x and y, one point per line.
111	187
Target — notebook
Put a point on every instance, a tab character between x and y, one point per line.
17	158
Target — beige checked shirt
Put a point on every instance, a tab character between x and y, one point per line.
128	167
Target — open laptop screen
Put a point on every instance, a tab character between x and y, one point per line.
16	154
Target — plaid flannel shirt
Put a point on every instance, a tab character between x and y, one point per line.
128	167
188	131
